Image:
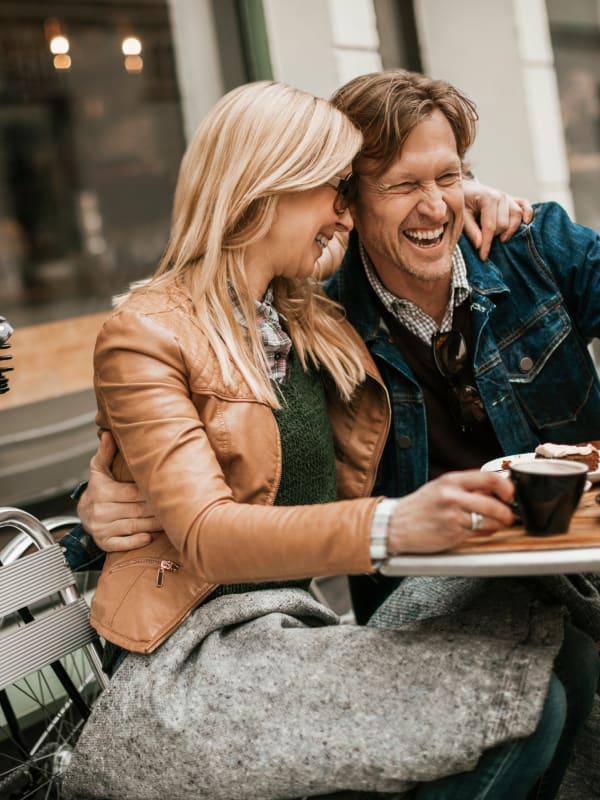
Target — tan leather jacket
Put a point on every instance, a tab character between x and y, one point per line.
207	457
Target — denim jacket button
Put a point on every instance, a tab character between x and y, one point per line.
525	364
404	442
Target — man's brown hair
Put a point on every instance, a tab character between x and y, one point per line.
387	106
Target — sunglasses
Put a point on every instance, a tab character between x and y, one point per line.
450	356
344	192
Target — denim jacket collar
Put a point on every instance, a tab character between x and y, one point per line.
350	287
485	278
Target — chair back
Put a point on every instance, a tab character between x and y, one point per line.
26	580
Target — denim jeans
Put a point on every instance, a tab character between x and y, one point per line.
577	666
510	771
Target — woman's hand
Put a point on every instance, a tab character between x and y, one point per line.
112	512
490	212
438	515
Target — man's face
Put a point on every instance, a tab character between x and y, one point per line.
410	218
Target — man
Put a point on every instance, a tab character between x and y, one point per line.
409	278
480	359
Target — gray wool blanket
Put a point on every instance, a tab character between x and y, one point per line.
423	598
264	695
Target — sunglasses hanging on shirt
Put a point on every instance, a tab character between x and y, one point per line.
450	355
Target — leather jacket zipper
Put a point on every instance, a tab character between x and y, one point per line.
164	565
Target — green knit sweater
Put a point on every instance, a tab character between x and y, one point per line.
308	459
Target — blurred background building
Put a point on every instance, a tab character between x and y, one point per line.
98	99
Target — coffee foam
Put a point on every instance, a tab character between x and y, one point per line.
550	466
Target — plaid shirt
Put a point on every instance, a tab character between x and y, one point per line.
275	341
409	314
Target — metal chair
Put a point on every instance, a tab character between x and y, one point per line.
50	666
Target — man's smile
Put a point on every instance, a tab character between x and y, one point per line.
425	237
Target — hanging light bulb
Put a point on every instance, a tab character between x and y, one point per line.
131	46
59	45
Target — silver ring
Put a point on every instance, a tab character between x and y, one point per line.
476	521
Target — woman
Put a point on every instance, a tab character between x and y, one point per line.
245	407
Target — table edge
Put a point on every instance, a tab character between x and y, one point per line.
531	562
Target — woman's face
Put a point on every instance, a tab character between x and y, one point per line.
304	225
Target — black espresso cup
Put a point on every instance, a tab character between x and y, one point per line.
547	491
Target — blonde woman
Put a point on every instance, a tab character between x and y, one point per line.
252	419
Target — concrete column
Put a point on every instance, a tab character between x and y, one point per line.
543	102
300	42
317	45
196	59
355	38
499	53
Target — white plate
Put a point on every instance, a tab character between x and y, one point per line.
495	465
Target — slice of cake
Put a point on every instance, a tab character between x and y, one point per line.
586	453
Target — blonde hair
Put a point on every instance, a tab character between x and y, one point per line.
259	141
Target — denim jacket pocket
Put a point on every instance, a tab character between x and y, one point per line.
545	361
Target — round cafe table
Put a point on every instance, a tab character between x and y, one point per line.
512	552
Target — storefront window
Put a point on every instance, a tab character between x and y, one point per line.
575	30
97	98
91	137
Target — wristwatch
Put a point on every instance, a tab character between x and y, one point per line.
378	549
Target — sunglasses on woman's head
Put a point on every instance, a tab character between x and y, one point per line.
344	192
450	355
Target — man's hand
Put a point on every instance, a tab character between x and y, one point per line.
490	212
438	515
112	512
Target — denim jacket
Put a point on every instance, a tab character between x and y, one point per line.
81	552
535	306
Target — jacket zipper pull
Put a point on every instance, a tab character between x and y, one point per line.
165	566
